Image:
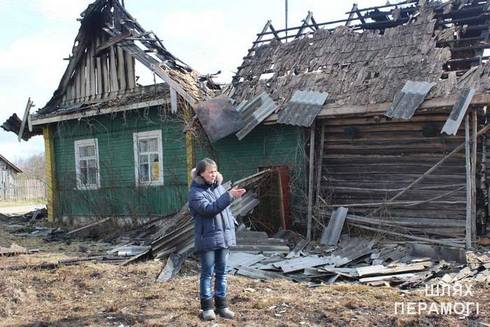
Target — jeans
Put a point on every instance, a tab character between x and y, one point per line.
213	262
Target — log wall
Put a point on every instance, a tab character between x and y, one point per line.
368	160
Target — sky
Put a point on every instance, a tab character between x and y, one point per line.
209	35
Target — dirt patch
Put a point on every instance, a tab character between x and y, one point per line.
108	295
93	294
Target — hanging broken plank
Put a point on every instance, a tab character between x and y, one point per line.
408	99
452	124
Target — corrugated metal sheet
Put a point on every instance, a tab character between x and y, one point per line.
218	117
302	109
243	205
408	99
254	112
457	113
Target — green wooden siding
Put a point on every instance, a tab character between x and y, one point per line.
119	195
264	146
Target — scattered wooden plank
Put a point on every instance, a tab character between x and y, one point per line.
259	274
261	247
383	270
88	226
137	257
394	278
301	263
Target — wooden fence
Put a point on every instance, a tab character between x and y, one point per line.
23	187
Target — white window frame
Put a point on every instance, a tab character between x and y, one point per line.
148	135
78	144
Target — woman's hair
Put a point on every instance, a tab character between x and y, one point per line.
203	164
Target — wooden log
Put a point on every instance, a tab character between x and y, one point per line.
282	212
428	172
310	181
474	152
319	166
418	238
88	226
468	182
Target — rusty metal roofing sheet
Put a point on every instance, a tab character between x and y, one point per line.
457	113
303	107
408	99
218	117
254	112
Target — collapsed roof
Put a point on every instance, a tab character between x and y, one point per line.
101	68
370	62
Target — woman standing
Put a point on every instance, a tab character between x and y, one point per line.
214	234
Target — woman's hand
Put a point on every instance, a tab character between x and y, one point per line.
237	192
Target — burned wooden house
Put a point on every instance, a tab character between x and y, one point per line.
384	113
114	147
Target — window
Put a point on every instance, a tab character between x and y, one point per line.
87	164
148	163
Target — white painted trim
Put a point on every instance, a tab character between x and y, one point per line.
96	112
144	135
84	142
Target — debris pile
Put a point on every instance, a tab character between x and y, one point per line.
354	260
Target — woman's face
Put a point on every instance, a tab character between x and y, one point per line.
210	174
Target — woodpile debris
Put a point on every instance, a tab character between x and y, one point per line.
354	260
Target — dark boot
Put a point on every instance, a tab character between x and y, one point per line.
222	307
207	310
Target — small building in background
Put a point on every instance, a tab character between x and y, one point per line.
8	173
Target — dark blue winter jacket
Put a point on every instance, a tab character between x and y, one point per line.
214	222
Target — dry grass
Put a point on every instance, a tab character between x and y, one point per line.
107	295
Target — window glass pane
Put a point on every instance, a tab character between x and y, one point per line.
87	151
92	163
143	159
144	172
83	174
83	164
92	176
142	146
155	167
152	145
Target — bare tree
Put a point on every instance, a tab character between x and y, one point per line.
33	166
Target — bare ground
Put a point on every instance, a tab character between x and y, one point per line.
93	294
